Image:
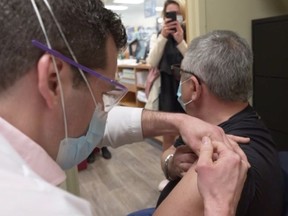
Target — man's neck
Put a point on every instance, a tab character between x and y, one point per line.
217	111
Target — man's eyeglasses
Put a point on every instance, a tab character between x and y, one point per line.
176	69
110	98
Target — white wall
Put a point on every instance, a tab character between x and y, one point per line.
236	15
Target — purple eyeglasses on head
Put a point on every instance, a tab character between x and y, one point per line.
117	93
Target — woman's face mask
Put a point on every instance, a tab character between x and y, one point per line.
180	19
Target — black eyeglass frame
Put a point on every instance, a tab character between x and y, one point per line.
179	70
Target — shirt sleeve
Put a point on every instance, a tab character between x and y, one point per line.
156	52
182	47
123	127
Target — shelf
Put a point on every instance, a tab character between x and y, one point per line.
130	87
133	85
128	103
137	66
140	86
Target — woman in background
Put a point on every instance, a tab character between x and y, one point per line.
168	50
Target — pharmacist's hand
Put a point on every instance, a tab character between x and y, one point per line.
220	181
184	158
234	142
192	130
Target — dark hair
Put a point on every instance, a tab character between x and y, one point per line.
85	23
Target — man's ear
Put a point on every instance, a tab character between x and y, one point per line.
197	89
48	84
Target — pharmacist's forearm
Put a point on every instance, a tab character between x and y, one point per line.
160	123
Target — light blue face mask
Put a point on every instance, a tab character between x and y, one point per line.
179	95
72	151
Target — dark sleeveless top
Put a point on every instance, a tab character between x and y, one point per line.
169	82
171	55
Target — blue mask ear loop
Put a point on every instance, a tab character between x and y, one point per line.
69	48
179	94
54	62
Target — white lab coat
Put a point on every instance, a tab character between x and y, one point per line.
24	192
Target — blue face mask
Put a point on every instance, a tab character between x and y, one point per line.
72	151
179	94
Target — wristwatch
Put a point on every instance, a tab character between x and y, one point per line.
165	170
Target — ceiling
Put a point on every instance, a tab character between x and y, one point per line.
133	8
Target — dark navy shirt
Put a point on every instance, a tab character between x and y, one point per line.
262	194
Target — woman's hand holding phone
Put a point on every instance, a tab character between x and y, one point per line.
178	34
172	26
169	26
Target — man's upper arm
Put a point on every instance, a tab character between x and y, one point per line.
185	196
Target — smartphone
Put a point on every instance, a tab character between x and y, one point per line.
173	16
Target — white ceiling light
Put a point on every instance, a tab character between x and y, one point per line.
116	7
128	1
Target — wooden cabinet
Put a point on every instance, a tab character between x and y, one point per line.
134	78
